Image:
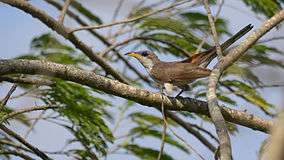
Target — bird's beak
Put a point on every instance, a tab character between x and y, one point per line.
133	54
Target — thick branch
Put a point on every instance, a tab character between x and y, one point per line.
99	36
273	149
116	88
26	80
60	29
214	110
225	146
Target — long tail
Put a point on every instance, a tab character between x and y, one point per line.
204	58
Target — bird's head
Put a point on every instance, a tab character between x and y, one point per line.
146	58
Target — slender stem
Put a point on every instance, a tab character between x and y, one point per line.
7	97
129	20
63	11
24	142
24	110
164	126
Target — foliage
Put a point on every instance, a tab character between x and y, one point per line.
85	12
84	111
266	7
47	47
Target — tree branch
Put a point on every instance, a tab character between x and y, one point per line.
60	29
275	145
213	28
63	11
15	153
116	88
24	110
100	37
214	110
129	20
26	80
7	97
24	142
191	130
225	147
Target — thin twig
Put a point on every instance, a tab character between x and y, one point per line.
115	14
24	110
136	38
188	145
190	128
7	97
206	34
271	39
213	28
131	19
24	142
26	80
164	126
63	11
15	153
100	37
64	31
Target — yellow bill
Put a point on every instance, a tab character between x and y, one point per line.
133	54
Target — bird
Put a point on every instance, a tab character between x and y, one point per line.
182	73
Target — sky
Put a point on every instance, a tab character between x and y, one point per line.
17	29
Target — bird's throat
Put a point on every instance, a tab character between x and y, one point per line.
148	64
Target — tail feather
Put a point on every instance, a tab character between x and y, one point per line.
204	58
236	37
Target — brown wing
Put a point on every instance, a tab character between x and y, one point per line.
178	72
187	72
198	59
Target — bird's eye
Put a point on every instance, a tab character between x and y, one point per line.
144	54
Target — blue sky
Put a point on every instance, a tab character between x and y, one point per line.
17	29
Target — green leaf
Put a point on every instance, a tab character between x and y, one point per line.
170	26
221	97
232	128
142	118
243	72
199	21
139	12
146	153
172	39
259	55
48	42
22	118
145	131
248	93
266	7
84	111
226	99
87	13
47	47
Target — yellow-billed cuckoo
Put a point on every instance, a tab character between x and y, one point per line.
181	73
